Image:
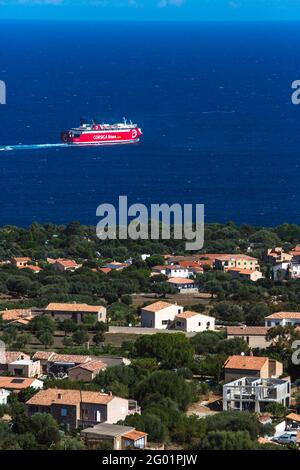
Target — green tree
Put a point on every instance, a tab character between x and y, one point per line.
80	336
165	384
171	350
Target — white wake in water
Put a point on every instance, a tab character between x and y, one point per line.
8	148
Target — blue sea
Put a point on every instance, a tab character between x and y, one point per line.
213	101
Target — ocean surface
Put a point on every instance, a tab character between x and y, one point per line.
213	101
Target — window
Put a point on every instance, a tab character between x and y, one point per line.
269	323
63	412
199	324
165	322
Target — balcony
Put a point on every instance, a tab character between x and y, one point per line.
133	407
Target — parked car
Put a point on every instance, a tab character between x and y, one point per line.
285	438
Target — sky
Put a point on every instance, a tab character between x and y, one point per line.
155	10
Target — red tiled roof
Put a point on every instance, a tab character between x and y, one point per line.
68	397
54	357
247	330
43	355
105	270
281	315
245	362
187	314
242	271
180	280
64	307
134	435
235	257
10	356
67	263
32	267
15	314
91	366
14	383
157	306
293	417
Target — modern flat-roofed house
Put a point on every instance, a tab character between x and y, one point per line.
194	322
121	437
225	262
255	336
251	366
78	408
16	384
159	315
254	394
282	319
245	274
75	312
184	285
25	368
286	270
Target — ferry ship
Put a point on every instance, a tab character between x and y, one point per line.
120	133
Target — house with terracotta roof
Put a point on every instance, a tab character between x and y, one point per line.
237	367
159	315
292	421
62	264
225	262
16	384
16	315
276	255
116	265
20	262
7	357
87	371
104	270
33	268
75	312
194	322
54	364
282	319
178	271
245	274
78	408
121	437
255	336
184	285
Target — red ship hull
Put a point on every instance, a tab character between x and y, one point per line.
102	136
